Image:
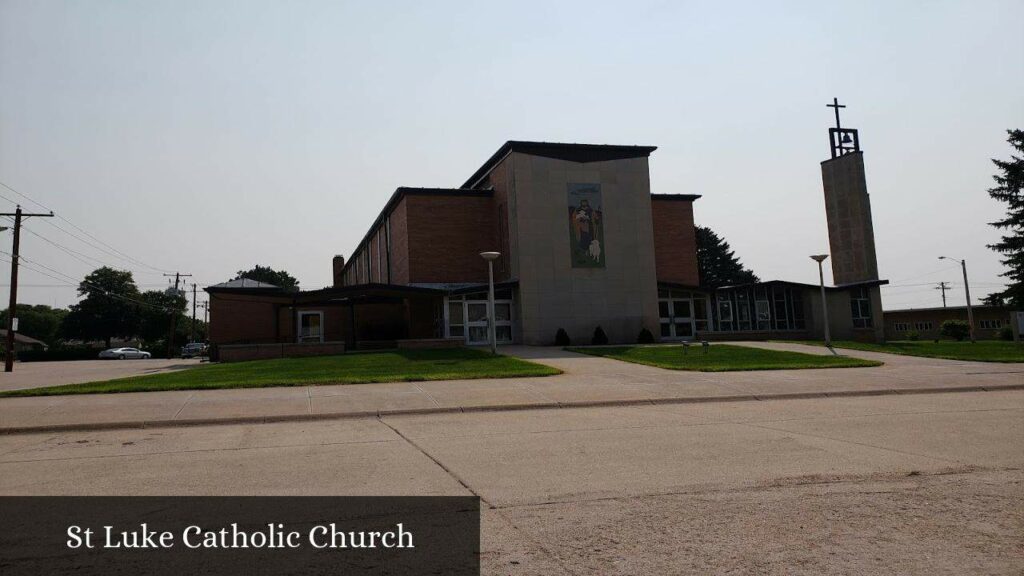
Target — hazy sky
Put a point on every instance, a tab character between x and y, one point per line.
209	136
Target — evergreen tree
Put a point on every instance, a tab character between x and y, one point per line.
717	263
1009	182
278	278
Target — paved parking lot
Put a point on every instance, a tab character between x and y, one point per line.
41	374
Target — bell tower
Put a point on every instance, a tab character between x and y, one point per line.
851	234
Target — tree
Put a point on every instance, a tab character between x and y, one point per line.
155	315
39	321
956	329
106	310
278	278
717	263
1009	182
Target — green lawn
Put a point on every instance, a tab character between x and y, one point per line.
981	351
722	358
355	368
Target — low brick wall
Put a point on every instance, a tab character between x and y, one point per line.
418	343
244	352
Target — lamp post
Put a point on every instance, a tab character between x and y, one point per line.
491	332
819	258
967	292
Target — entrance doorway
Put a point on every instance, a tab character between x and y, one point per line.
466	317
676	318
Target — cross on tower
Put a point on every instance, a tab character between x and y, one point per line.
835	104
842	140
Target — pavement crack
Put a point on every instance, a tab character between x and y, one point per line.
182	407
438	462
862	444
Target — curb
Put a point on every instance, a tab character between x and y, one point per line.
146	424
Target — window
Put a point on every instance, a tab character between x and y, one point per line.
725	310
991	324
761	307
700	313
901	326
860	308
456	323
781	312
921	326
311	326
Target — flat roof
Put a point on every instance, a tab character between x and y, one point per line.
573	152
949	308
680	197
866	283
396	197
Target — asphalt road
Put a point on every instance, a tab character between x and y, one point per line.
910	484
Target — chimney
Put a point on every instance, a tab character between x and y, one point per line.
338	264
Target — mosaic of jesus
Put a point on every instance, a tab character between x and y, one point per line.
586	226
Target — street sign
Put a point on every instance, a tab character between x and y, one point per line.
14	325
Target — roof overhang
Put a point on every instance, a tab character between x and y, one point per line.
559	151
676	197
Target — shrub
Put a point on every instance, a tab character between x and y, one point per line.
956	329
645	337
913	335
1006	333
600	337
562	338
60	353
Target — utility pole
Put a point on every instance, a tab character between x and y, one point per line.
12	309
174	314
967	293
206	317
192	331
943	286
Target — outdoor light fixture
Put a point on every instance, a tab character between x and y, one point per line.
491	332
967	292
819	258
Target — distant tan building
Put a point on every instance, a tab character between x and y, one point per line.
927	322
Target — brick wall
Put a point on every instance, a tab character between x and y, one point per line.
936	316
243	318
675	242
400	243
446	235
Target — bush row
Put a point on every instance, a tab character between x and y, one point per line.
600	338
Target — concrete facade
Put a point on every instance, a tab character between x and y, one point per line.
848	209
621	297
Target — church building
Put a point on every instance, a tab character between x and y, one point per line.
584	243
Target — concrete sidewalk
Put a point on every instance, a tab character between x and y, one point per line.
587	381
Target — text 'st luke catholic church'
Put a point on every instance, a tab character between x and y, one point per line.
583	242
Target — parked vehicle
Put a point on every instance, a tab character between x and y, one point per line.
125	354
194	350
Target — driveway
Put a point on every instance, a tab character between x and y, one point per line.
41	374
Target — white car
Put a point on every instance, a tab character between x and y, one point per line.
125	353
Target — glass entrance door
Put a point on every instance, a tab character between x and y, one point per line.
676	318
476	323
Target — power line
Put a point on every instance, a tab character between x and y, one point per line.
72	283
115	252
